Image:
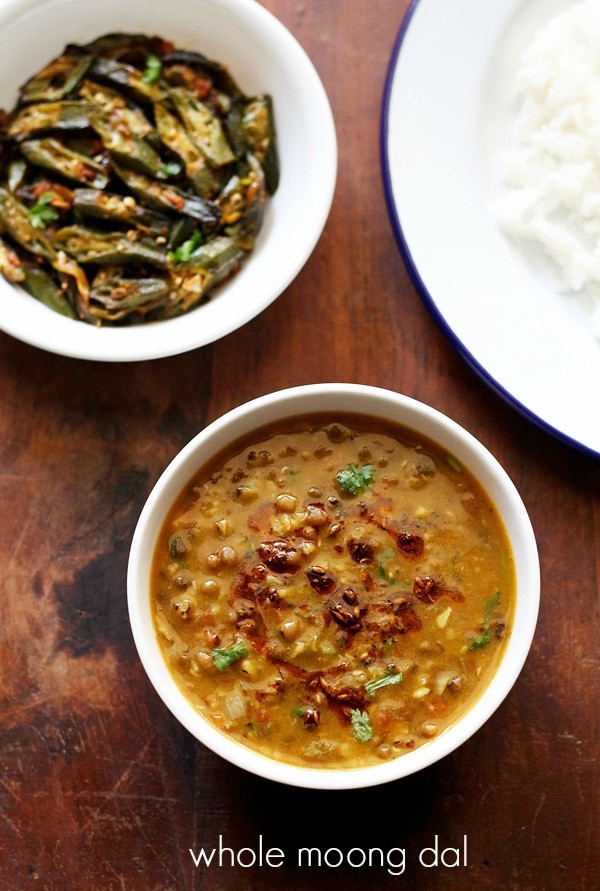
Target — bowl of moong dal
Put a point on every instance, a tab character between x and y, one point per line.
333	586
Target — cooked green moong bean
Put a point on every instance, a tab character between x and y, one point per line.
136	167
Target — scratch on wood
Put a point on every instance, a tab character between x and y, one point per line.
114	794
536	815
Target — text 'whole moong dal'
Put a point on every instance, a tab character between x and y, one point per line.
333	591
133	180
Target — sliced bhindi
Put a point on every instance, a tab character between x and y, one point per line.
175	137
93	246
127	149
209	265
58	158
120	112
42	286
114	296
213	71
120	209
143	167
57	79
119	44
10	263
16	171
258	124
15	220
40	117
203	126
129	78
169	198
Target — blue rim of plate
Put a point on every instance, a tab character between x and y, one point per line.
413	271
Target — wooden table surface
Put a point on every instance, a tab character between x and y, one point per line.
100	788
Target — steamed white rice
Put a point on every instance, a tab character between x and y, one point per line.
552	169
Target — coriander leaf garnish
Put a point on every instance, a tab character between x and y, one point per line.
385	680
490	605
481	641
361	724
153	70
42	212
171	168
226	656
176	546
454	463
184	252
355	479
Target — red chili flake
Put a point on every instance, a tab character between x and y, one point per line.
84	172
174	199
203	87
42	186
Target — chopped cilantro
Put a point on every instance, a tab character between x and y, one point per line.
171	168
226	656
481	641
490	605
184	252
299	711
355	479
42	212
388	577
384	680
153	70
176	546
361	724
454	463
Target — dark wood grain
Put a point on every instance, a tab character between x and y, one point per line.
100	788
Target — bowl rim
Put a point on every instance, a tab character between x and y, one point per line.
308	399
38	326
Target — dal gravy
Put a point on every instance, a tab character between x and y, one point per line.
333	591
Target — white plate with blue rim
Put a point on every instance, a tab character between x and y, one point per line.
446	110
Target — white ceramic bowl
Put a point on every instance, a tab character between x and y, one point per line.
263	57
335	398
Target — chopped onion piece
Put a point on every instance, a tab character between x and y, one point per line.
235	706
442	619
